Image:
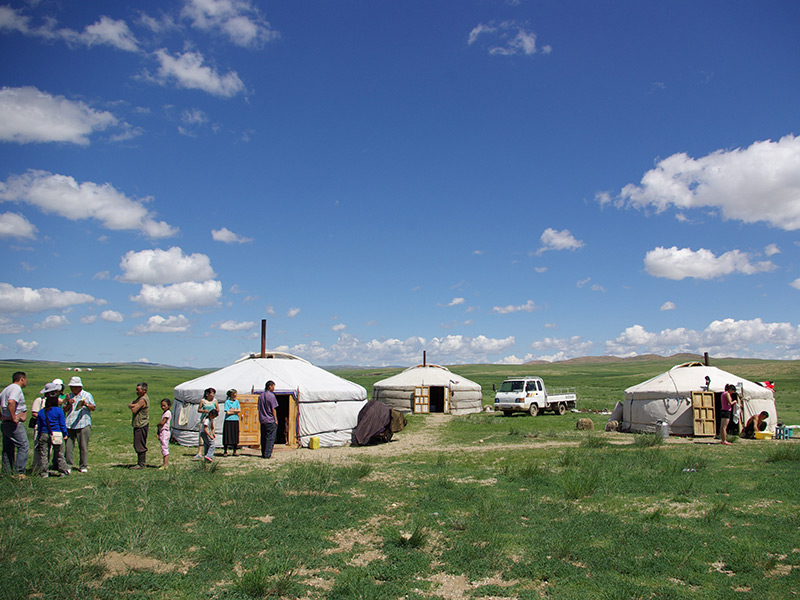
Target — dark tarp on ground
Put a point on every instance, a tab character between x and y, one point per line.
376	423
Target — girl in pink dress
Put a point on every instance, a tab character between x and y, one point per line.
163	430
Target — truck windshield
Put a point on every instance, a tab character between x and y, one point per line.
512	386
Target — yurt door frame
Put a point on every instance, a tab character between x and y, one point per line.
250	426
423	399
705	423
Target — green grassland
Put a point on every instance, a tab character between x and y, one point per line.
494	507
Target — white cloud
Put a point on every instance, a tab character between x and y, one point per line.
795	284
508	38
52	322
88	319
28	115
236	325
165	266
558	240
727	337
529	306
445	350
28	300
159	324
189	294
293	312
227	236
339	327
107	31
772	250
239	20
16	225
112	316
9	326
188	71
24	347
565	348
677	264
456	301
62	195
668	305
757	183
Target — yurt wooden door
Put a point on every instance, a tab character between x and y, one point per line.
704	418
250	426
422	399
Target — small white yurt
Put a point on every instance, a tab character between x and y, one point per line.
312	402
668	397
429	388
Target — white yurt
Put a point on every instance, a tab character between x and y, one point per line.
429	388
668	397
312	402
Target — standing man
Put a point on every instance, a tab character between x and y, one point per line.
141	423
79	406
14	412
268	417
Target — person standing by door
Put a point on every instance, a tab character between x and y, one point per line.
268	418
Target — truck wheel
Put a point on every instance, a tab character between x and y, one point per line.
562	408
533	409
508	413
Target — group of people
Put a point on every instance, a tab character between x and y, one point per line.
60	420
140	421
730	417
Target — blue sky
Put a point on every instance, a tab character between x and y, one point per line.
488	181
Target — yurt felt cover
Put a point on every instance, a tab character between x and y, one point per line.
398	390
327	408
668	397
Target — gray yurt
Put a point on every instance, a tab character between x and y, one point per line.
429	389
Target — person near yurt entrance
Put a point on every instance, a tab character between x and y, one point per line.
429	388
688	398
312	402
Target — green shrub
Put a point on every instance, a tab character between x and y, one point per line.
647	440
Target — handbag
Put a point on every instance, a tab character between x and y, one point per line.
56	438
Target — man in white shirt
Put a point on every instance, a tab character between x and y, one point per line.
14	412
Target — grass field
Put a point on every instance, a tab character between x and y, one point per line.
493	507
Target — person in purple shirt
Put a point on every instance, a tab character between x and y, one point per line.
268	417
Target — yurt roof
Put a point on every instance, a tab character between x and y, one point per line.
683	379
428	375
290	373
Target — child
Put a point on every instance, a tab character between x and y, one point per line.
51	425
163	430
208	436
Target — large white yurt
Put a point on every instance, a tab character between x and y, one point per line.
429	388
668	397
312	402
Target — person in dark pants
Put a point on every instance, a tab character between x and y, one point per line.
141	424
268	417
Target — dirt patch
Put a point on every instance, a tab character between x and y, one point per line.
458	587
122	563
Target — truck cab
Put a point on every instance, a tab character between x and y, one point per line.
529	394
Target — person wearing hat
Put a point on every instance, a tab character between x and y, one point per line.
13	413
51	433
79	406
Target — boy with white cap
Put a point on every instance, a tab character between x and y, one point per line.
78	406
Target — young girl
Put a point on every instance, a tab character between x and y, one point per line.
163	430
206	404
208	435
230	430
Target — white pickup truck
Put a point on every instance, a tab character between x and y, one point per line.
528	394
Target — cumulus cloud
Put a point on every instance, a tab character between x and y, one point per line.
760	183
239	20
24	347
226	236
795	284
674	263
88	319
29	115
508	38
558	240
9	326
188	71
293	312
28	300
456	301
159	324
16	225
668	305
726	337
110	32
165	266
529	306
52	322
62	195
189	294
339	327
772	250
449	349
231	325
112	316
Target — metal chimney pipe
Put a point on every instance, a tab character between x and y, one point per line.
424	358
706	361
263	338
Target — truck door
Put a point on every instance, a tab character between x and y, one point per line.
532	392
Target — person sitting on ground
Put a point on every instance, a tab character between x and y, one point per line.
755	423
